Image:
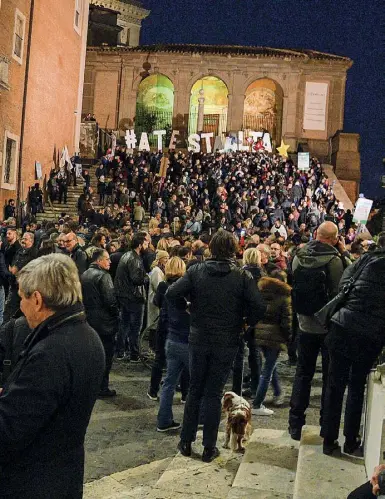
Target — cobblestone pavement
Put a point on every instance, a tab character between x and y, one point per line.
122	432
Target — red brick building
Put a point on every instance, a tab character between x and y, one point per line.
42	57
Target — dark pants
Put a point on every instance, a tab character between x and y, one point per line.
254	365
130	326
363	492
160	364
109	345
63	193
309	346
209	369
345	372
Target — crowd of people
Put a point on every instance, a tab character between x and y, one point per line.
241	251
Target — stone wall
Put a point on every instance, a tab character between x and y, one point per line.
346	161
112	97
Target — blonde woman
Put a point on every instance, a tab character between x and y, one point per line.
162	244
175	268
252	263
156	276
175	321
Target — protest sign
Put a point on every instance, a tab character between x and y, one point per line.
362	211
304	161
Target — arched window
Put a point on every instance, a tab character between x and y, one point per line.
263	107
154	106
208	106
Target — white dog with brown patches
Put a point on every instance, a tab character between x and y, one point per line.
238	424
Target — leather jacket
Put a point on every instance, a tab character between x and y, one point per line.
130	279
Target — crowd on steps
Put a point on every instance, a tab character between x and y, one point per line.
222	264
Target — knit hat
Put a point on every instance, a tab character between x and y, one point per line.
161	254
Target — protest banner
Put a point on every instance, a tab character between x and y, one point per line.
195	141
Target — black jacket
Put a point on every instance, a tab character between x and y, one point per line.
80	259
130	279
10	251
12	337
221	296
174	320
5	275
99	300
24	256
46	406
362	317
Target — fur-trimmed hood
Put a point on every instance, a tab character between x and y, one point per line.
274	286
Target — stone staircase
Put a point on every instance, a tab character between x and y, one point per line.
273	466
53	213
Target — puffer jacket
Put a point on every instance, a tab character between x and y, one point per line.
274	330
222	296
363	314
130	279
99	300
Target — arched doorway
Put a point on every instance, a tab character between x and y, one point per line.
263	108
208	106
154	106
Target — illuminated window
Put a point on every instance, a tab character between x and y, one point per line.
18	37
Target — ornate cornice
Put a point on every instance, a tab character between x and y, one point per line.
130	12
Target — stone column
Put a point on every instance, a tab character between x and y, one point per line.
127	103
236	104
201	110
291	112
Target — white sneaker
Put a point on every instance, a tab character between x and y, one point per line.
279	400
262	411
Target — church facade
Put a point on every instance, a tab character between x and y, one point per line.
298	96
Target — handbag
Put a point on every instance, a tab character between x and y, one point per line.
325	315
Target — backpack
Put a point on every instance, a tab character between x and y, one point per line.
310	289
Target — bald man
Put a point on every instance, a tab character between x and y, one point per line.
317	271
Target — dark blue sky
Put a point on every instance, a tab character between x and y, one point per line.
346	27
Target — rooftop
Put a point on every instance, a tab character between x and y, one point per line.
233	50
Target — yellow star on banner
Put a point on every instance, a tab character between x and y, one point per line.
282	149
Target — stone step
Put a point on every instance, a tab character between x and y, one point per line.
171	478
190	477
132	480
268	467
319	476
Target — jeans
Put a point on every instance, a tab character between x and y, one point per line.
108	344
177	358
345	372
309	346
269	373
160	364
363	492
131	320
2	303
210	367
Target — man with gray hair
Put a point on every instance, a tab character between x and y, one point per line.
46	402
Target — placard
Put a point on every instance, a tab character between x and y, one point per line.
304	161
362	211
316	95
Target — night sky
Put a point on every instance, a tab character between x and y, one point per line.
345	27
